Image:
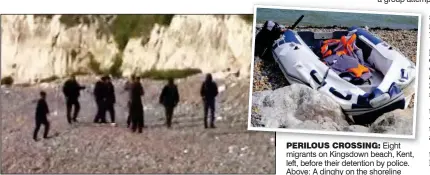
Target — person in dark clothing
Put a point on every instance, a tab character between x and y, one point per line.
110	99
169	98
136	106
209	91
100	97
127	88
71	90
270	32
42	111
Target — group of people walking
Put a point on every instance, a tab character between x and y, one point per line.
104	95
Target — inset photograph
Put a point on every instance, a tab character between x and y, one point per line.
129	94
334	72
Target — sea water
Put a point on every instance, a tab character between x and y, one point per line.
324	18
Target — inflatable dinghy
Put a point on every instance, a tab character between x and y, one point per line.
364	74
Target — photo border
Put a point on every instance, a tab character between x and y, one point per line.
343	133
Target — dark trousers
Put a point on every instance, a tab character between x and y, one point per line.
169	114
209	105
128	120
101	112
129	114
137	118
77	107
41	120
111	110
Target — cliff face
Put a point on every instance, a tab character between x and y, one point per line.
39	47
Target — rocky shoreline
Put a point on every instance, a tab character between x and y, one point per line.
268	78
89	148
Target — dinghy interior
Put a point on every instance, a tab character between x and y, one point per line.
386	66
314	39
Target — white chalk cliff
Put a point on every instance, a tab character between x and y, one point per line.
34	48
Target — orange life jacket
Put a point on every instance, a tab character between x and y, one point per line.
344	47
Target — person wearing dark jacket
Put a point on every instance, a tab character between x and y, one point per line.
100	97
42	111
110	99
270	32
71	90
169	98
127	88
136	106
209	91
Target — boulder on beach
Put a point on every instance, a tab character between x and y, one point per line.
292	106
396	122
300	107
356	128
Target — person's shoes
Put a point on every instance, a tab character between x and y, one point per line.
35	139
168	125
213	126
75	120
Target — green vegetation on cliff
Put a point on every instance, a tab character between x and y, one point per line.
93	65
7	81
49	17
248	18
122	28
115	69
49	79
74	20
125	27
170	73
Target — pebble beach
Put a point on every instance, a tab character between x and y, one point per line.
94	148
